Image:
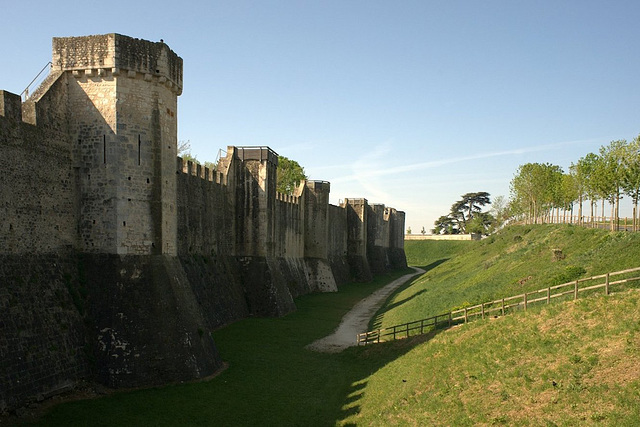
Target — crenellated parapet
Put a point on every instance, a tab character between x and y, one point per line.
114	55
203	172
10	106
303	225
288	198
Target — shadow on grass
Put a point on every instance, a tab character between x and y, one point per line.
376	321
433	265
271	378
372	358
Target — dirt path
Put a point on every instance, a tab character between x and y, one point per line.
357	319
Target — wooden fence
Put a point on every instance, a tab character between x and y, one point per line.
500	307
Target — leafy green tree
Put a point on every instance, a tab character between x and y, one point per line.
538	188
289	175
458	221
211	165
535	189
610	175
524	193
184	151
462	213
471	203
445	225
554	192
500	210
584	171
481	223
569	193
631	176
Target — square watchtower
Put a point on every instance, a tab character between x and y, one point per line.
122	102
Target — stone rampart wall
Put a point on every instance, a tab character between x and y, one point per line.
337	252
38	198
204	210
289	227
116	259
42	329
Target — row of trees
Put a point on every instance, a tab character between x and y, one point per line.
540	188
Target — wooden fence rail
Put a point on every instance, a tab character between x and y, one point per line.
500	307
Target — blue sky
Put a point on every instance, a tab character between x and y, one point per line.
406	103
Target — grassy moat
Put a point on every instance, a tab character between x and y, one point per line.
575	362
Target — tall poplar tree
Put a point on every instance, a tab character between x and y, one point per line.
631	176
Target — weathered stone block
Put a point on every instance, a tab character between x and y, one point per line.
10	106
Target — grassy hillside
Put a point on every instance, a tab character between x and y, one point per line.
518	259
574	363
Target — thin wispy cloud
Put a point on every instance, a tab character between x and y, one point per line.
361	172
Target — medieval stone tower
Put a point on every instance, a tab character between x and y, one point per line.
122	96
117	257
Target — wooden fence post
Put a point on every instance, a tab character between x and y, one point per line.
483	310
525	301
394	333
548	295
378	336
575	290
465	315
606	284
421	326
450	319
407	330
503	306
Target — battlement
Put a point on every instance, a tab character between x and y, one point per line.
382	210
319	186
115	54
200	171
354	202
10	105
288	198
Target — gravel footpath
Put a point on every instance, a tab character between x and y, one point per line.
357	319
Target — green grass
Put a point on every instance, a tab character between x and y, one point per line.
519	259
271	378
569	363
426	253
574	363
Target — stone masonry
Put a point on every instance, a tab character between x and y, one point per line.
117	257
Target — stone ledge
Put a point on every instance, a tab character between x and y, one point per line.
116	72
